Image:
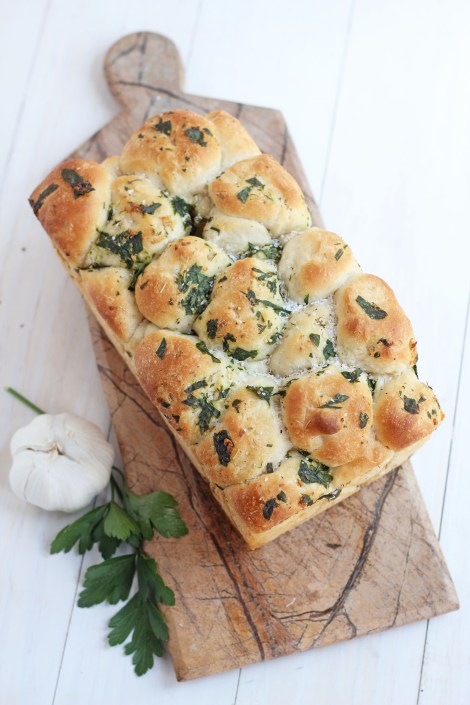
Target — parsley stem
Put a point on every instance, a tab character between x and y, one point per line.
119	471
24	400
115	486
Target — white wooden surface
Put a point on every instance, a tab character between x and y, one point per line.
377	96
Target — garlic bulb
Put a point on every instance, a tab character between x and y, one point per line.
60	462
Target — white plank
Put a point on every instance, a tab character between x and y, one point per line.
17	34
396	188
446	667
361	671
28	599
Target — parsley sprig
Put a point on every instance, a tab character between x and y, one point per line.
127	519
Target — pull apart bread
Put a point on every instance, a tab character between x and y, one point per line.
286	373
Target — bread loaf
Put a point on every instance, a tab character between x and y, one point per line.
286	373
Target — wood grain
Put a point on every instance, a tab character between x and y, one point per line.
368	564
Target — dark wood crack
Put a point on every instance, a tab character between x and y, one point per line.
123	53
367	544
245	609
284	145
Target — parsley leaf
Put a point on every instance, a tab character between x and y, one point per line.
137	272
163	126
196	136
264	393
109	581
315	339
142	618
269	279
224	446
211	327
363	419
243	194
125	244
204	349
271	251
208	410
269	507
241	354
410	405
372	384
352	376
37	205
270	304
183	209
145	621
331	495
151	583
328	350
118	524
372	310
161	350
79	185
253	299
80	531
108	545
150	209
333	403
197	287
275	338
312	471
196	385
254	181
156	510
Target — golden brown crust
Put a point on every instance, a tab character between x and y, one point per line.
275	452
373	331
176	149
267	506
107	292
329	416
314	264
276	497
71	203
138	212
167	366
406	411
235	142
245	440
373	455
251	502
260	189
175	288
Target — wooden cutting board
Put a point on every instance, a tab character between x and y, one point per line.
368	564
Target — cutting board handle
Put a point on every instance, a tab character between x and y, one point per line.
140	66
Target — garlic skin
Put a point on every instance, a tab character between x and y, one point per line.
60	462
